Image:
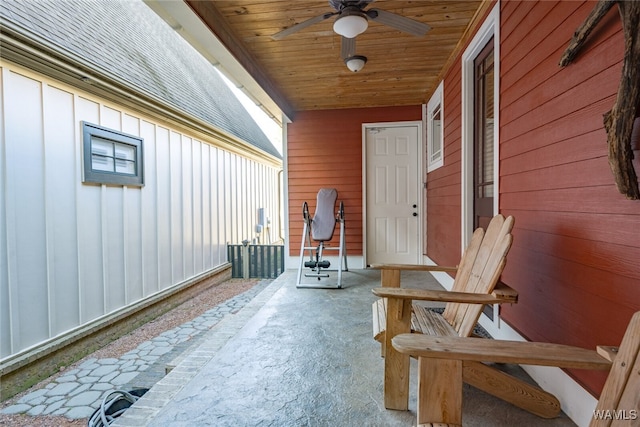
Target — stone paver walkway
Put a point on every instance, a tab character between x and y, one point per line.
77	393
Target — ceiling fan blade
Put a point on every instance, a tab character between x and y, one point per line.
302	25
398	22
348	47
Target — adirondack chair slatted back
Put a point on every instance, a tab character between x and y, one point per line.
479	271
619	403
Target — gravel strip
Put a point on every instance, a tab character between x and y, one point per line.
185	312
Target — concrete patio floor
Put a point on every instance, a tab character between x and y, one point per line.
300	357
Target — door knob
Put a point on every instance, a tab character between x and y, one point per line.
415	206
415	214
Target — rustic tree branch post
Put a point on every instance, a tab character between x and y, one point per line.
619	121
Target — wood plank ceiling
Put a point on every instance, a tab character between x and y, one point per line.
305	69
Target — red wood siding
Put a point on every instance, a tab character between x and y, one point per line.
577	240
444	184
324	149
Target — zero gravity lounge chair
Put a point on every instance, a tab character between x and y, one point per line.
320	229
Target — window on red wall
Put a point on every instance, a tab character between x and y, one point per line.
435	130
483	137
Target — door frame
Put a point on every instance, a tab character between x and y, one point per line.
421	151
490	28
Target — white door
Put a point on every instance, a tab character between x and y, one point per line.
392	194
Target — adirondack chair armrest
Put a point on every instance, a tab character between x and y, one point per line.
499	351
505	293
608	352
443	296
413	267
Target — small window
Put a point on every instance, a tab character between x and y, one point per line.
111	157
435	131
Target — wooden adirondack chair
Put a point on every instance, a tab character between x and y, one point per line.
474	285
442	361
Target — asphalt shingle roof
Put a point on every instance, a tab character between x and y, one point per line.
125	38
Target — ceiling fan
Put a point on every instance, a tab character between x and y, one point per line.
353	20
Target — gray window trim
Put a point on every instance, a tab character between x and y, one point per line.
94	176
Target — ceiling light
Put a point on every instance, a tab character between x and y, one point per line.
355	62
350	24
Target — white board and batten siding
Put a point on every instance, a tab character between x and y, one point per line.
73	252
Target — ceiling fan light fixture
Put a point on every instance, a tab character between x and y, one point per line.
350	24
356	62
